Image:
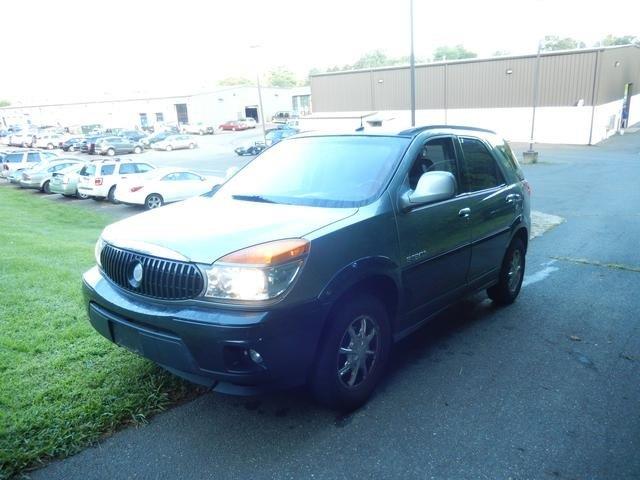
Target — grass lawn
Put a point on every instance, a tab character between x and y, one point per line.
62	385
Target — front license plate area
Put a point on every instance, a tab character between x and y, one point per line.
126	337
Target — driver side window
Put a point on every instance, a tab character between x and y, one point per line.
437	154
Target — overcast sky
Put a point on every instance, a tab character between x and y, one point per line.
71	50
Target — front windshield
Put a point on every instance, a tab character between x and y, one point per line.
331	171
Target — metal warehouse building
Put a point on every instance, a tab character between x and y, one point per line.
213	108
581	96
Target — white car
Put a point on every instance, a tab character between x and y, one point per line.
50	140
22	139
248	122
199	128
98	179
18	160
164	185
174	142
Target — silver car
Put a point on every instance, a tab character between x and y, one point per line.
174	142
65	182
39	176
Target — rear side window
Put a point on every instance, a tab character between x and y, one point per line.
107	169
33	157
506	154
143	167
479	167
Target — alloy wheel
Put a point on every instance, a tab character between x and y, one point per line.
515	270
358	351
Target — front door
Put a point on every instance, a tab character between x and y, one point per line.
434	239
493	203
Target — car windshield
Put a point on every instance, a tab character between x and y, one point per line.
330	171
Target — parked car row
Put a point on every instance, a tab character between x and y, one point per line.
272	137
119	181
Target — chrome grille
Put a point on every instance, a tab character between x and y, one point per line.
161	278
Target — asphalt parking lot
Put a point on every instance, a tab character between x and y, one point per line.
545	388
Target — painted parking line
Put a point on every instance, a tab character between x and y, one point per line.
540	275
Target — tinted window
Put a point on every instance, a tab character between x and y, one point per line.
88	170
13	158
107	169
33	157
186	176
328	171
480	168
143	167
506	154
127	168
437	154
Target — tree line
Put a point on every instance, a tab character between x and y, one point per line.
281	76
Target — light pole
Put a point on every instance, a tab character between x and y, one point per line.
412	61
531	155
262	119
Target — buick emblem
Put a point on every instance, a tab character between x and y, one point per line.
136	275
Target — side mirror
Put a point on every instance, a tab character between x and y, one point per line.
432	187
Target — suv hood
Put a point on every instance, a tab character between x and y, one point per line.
204	229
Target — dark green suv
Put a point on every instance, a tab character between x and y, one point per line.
307	264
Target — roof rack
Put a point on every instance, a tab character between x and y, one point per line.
416	130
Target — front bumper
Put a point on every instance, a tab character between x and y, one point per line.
208	345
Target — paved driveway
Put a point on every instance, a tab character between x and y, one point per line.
546	388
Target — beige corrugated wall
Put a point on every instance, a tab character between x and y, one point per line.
566	79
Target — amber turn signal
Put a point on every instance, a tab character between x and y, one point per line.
272	253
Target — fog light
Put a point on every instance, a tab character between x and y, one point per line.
255	356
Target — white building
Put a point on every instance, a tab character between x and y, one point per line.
212	108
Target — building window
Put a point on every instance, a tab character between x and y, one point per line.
143	120
159	117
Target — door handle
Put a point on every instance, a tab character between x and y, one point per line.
513	197
464	213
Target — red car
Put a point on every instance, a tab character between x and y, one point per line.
234	125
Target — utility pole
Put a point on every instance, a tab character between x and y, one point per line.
531	156
262	119
412	60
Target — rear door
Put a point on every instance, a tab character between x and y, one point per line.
435	239
492	201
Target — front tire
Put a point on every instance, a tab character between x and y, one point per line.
46	188
153	200
111	152
168	148
354	353
509	284
192	146
137	150
72	149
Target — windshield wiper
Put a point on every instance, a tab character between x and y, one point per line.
252	198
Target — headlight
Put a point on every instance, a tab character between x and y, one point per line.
261	272
98	250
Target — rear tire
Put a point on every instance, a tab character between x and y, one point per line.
153	200
81	196
72	149
137	150
46	188
192	146
50	146
168	148
111	196
111	152
351	360
511	275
